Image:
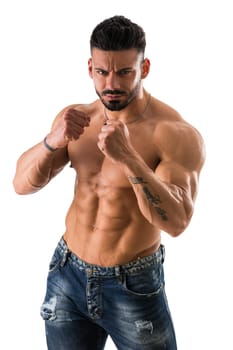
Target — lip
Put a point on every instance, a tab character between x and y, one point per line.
113	97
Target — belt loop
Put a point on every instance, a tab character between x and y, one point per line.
89	271
118	274
163	253
65	256
117	271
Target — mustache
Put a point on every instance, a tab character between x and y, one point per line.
113	92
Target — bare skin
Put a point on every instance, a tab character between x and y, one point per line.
136	175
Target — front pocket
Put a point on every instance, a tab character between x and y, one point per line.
146	282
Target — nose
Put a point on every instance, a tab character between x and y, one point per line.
112	81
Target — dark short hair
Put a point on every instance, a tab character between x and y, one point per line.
118	33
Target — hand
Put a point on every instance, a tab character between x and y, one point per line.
68	127
114	140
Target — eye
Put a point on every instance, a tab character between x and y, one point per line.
101	72
124	72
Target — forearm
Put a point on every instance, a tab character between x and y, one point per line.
165	205
34	169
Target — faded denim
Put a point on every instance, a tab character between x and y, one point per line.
85	303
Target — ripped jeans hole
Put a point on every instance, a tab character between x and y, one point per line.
48	309
144	326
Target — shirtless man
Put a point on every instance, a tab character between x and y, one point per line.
137	163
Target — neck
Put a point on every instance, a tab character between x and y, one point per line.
136	119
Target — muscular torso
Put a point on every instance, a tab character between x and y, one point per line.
104	225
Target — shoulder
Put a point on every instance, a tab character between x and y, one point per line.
177	130
170	123
177	139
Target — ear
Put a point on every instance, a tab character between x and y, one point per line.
145	68
90	67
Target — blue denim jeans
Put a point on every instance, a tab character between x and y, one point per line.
85	303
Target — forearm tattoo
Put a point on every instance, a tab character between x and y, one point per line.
136	180
153	199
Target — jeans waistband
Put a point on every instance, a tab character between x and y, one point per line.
131	267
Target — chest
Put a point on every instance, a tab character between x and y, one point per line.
89	162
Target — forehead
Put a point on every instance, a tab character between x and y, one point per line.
116	59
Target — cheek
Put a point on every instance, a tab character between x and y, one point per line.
99	84
98	79
134	78
135	82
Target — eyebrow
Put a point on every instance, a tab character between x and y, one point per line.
124	68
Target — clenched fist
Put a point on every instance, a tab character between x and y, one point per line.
114	140
68	126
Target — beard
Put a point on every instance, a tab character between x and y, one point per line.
117	105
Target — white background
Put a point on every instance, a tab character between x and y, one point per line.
43	67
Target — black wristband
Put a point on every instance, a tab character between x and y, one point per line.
50	148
